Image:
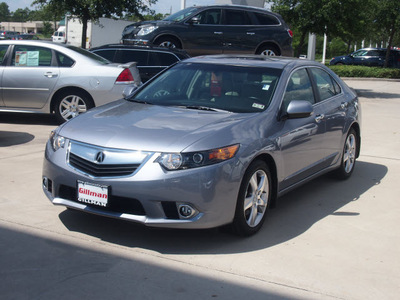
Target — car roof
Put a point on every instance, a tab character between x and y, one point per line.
252	60
237	6
138	47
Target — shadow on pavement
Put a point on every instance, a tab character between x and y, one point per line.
33	267
28	118
11	138
296	213
371	94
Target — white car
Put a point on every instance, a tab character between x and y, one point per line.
38	76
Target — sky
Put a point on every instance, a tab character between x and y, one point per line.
162	6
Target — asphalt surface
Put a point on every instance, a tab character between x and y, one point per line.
326	240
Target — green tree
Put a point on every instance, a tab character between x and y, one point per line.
92	10
4	12
21	15
388	17
331	17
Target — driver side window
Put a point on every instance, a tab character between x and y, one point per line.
209	17
298	88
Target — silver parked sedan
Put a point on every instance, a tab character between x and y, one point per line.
38	76
213	140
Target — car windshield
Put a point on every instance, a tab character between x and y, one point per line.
182	14
239	89
91	55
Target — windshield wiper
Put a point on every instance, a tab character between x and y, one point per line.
140	101
206	108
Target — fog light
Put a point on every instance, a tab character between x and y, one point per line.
45	183
186	211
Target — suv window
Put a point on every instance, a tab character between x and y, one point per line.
141	57
326	85
108	54
162	59
266	19
31	56
209	17
236	17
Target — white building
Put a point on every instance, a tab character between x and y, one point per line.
23	27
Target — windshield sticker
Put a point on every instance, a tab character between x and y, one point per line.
259	106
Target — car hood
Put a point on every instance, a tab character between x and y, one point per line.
137	126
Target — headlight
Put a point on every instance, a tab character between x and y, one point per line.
56	141
179	161
147	29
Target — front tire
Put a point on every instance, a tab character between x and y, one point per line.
70	104
169	42
253	200
349	156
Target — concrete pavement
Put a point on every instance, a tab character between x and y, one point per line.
326	240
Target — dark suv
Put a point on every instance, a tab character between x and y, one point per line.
150	60
216	29
373	57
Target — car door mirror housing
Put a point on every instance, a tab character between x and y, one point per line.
194	20
299	109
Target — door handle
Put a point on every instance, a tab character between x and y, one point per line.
50	74
218	32
319	118
250	33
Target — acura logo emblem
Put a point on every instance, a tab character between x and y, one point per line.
100	157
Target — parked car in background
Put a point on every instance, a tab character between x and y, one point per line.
210	141
26	36
40	76
7	34
373	57
150	60
216	29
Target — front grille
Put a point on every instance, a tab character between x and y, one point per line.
115	203
101	170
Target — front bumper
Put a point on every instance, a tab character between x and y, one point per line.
151	196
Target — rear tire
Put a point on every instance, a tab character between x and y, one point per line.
253	199
268	51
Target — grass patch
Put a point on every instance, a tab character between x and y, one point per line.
363	71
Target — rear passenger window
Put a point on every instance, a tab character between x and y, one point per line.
162	59
326	85
31	56
266	19
64	61
140	57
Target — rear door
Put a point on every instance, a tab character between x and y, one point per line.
30	78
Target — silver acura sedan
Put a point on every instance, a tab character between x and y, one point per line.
210	141
39	76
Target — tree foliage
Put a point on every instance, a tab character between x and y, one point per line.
92	10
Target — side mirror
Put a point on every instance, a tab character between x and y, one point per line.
299	109
128	91
194	20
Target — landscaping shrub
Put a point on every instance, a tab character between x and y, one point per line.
363	71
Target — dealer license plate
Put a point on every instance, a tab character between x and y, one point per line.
90	193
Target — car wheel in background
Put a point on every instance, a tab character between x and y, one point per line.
268	51
71	103
168	42
253	200
349	156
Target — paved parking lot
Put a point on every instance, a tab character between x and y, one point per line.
327	240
